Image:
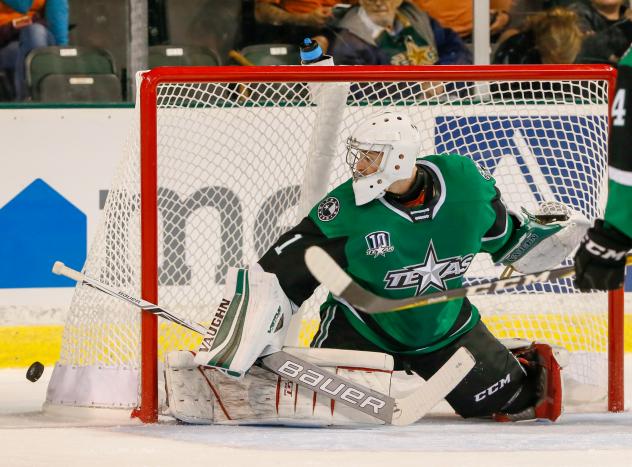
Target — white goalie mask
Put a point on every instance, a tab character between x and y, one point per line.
381	151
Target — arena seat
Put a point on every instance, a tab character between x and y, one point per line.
181	55
102	23
272	54
58	60
80	88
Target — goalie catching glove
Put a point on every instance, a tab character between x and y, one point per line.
544	239
251	321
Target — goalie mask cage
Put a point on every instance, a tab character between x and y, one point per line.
230	157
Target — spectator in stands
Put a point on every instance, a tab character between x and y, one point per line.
26	25
390	32
608	28
550	36
294	20
458	15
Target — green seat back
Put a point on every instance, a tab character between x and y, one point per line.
80	88
174	55
272	54
66	60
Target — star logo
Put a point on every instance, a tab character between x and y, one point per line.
420	55
415	54
380	250
430	271
433	272
328	209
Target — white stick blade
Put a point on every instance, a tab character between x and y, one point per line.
326	270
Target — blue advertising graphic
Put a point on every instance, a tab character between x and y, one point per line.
564	147
37	227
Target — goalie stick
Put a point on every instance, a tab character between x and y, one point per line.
395	411
331	275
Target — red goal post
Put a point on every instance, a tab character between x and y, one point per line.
491	110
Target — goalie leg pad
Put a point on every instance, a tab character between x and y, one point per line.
189	398
251	320
204	395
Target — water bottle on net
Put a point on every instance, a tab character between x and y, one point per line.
312	54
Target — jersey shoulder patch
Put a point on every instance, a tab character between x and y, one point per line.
329	208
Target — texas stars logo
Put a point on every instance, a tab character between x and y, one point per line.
433	272
379	243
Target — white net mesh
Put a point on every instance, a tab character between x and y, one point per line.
231	162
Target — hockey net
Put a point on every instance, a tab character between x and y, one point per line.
228	158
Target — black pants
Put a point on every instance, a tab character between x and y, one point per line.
497	383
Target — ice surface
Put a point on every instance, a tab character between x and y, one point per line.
30	438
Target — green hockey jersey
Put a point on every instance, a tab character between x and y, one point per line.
397	251
619	207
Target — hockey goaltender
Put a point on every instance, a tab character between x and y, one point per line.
402	225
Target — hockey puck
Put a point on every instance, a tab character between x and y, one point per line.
35	371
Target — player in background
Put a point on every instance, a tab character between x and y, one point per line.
600	260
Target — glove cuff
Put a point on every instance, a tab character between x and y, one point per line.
609	236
